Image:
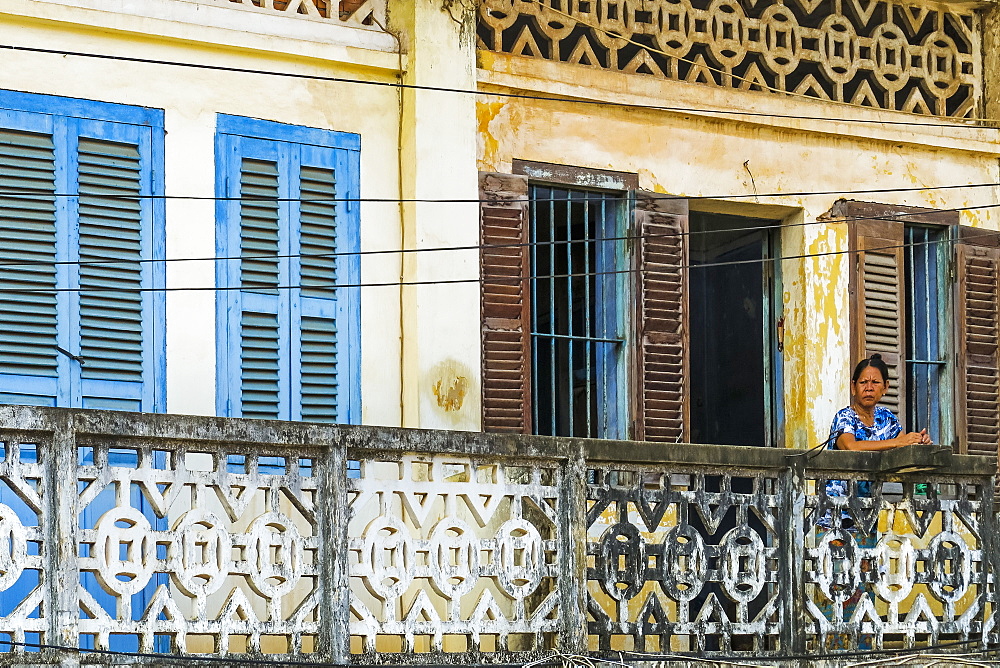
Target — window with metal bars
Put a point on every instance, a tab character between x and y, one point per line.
88	329
927	286
289	333
577	325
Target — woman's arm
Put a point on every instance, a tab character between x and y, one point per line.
846	441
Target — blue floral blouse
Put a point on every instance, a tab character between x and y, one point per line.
846	421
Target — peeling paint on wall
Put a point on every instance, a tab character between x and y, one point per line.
486	113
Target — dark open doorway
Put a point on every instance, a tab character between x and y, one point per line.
733	311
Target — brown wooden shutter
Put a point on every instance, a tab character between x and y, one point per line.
877	284
662	380
505	288
977	265
877	297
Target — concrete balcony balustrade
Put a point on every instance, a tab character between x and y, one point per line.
238	539
358	13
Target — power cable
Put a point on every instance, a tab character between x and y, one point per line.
36	194
492	279
957	124
472	247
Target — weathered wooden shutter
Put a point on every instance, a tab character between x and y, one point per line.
877	296
319	338
505	290
111	303
661	326
260	342
292	339
977	264
29	365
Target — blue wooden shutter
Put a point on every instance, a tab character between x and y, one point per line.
317	298
111	275
29	367
97	340
282	349
256	383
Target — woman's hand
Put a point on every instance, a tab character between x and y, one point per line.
911	438
848	442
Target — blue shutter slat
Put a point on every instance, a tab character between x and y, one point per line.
259	365
319	369
318	236
259	225
28	321
110	216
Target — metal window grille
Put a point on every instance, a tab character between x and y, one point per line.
575	318
926	360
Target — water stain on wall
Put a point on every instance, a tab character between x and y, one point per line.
450	385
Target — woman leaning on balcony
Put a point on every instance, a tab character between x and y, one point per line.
864	425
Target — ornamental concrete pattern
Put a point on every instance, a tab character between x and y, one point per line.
908	565
23	581
456	548
245	538
355	13
883	54
205	550
681	560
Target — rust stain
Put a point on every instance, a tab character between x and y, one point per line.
450	388
486	113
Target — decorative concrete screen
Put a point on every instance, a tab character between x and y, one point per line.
909	56
683	559
241	540
218	545
476	539
918	555
357	13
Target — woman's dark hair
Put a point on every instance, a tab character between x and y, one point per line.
875	361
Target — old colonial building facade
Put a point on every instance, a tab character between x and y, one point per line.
298	232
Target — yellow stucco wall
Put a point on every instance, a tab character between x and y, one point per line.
700	154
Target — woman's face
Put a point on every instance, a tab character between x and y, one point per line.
869	388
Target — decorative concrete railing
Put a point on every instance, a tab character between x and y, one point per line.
357	13
240	539
905	55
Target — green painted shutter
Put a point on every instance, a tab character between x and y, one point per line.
318	232
319	369
28	321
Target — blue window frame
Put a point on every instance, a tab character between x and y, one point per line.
288	229
578	343
82	227
928	318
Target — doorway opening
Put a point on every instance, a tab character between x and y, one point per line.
735	307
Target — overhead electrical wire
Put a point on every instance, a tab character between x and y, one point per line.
492	279
42	195
956	124
471	247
